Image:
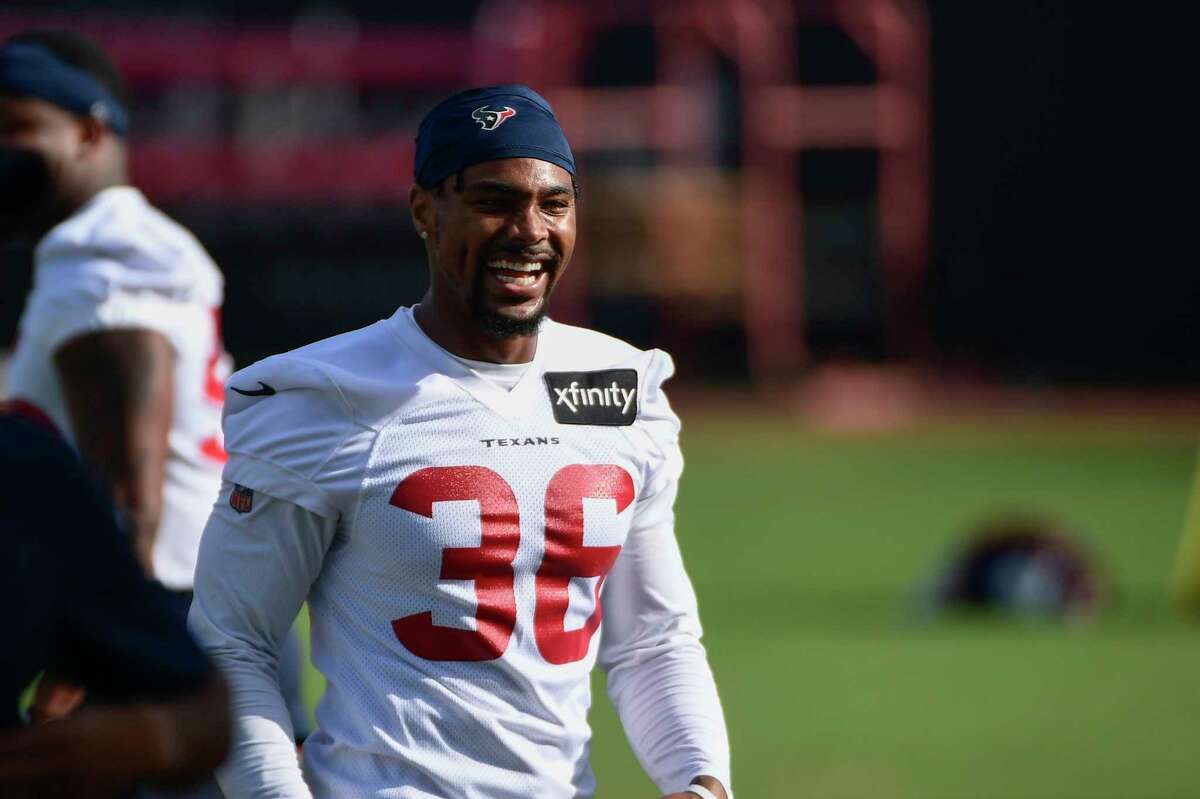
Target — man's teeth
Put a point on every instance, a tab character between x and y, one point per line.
515	266
531	272
523	280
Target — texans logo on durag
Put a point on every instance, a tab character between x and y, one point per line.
490	119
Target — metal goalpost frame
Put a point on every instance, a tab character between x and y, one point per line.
543	44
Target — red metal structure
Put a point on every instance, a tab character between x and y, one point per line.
544	44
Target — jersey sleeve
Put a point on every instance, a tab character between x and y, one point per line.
658	427
255	569
293	445
290	433
86	295
659	679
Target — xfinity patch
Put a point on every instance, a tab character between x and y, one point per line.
608	397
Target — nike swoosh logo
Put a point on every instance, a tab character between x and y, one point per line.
265	391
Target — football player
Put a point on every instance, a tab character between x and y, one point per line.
82	606
456	490
119	342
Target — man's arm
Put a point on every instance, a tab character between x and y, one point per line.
658	674
119	391
254	572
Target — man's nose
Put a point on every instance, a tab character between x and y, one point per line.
528	225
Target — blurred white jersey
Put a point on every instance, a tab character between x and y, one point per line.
119	263
465	532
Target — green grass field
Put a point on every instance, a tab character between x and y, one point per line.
805	548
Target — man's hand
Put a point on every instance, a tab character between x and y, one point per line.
55	699
102	751
91	754
711	783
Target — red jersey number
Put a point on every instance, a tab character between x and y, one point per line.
214	389
490	564
567	557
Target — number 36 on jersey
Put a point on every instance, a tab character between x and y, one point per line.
490	565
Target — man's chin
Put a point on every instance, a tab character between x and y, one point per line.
504	323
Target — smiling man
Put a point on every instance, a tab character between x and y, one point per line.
462	492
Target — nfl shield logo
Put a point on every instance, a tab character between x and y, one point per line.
241	499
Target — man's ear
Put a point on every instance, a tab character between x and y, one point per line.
420	204
92	133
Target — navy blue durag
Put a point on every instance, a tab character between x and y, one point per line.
485	124
28	69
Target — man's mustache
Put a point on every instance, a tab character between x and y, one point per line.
524	253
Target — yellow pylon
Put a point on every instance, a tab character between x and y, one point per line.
1185	581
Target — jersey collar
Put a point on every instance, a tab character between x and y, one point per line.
515	404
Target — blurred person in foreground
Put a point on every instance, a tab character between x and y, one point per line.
81	606
450	488
120	340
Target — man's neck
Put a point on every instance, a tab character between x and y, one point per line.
89	189
80	196
462	337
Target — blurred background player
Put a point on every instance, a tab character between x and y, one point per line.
120	342
159	712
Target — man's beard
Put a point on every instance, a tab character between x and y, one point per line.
499	325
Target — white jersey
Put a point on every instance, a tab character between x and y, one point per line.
454	540
119	263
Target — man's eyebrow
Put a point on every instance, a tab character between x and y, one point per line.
497	186
491	185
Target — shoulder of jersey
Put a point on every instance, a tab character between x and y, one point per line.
362	376
123	240
579	349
